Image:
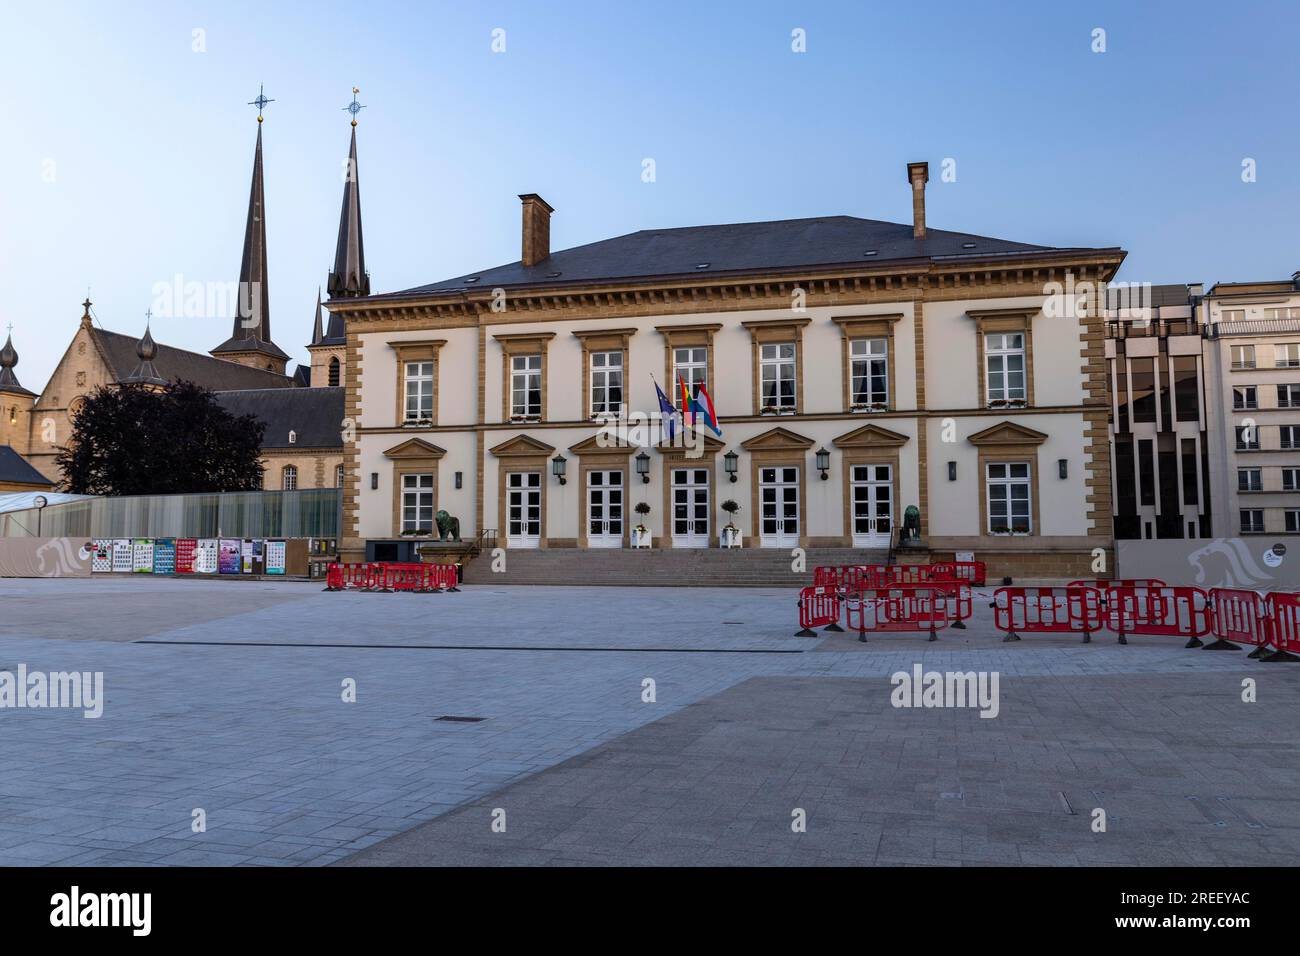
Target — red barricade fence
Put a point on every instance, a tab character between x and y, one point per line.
1106	584
904	607
385	576
972	572
1031	610
1236	615
1284	626
1163	611
818	607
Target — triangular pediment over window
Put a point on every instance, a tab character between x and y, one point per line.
602	444
1008	433
415	448
778	439
521	445
871	436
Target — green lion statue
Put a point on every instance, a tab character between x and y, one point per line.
448	527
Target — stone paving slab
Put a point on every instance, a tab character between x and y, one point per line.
288	774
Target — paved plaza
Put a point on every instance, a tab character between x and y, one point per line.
227	697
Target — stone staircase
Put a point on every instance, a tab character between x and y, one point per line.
684	567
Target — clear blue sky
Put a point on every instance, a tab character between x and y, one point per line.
1140	146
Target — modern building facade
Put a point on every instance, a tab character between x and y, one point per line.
856	367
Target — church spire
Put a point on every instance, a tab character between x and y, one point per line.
145	373
318	331
8	359
349	277
250	341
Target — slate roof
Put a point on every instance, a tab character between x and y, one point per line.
173	363
736	248
15	468
314	414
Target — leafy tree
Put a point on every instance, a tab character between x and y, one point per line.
134	440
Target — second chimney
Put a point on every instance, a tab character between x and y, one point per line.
918	174
537	228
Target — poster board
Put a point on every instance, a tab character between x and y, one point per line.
248	550
164	556
206	556
122	554
185	548
228	556
142	555
101	559
275	557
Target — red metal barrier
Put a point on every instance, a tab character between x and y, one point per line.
363	577
845	577
1166	611
1117	583
439	577
1068	610
1283	611
1236	615
972	572
818	607
385	576
904	607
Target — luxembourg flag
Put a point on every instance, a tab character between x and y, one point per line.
700	409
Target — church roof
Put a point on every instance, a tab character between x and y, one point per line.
786	245
15	469
314	415
172	363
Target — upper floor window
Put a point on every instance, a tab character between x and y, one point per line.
606	383
1287	355
1292	521
1250	479
1245	397
1243	356
1290	312
289	478
1288	396
338	476
1233	315
869	370
1247	437
335	368
1252	520
419	392
1291	479
1004	357
691	366
777	375
526	386
1290	436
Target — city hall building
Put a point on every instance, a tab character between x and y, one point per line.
856	367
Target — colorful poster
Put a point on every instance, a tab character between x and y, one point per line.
206	556
185	555
275	557
164	556
102	557
142	555
122	554
228	556
247	549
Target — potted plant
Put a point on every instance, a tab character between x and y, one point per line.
730	534
641	534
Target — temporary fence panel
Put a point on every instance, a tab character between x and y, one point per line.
901	608
1284	626
845	577
1236	615
1161	611
1046	610
818	607
972	572
1104	585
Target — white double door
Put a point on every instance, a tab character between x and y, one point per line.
605	500
690	491
872	491
524	509
778	504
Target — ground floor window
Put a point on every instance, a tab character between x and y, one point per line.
1009	498
417	503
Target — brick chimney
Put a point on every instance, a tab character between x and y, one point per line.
537	228
918	174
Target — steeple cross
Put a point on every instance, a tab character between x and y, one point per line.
354	107
260	102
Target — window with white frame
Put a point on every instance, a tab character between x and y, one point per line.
418	380
289	478
869	370
777	375
1291	479
1289	436
1252	520
1292	521
1288	396
1287	312
1004	362
338	476
1243	356
1233	315
1009	504
417	503
1246	397
526	386
1287	355
606	383
690	366
1247	437
1250	479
